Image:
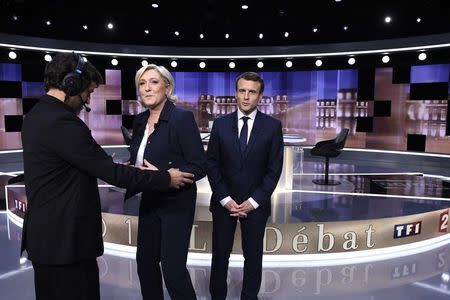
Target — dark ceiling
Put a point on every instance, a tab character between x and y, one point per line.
214	18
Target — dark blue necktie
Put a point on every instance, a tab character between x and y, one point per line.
244	134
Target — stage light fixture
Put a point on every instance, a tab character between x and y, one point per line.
144	63
110	26
345	27
114	62
85	27
232	65
227	35
173	64
319	63
385	59
286	34
48	22
351	61
418	20
48	58
315	29
155	5
244	6
12	55
260	64
422	56
146	31
261	36
202	36
177	33
387	19
289	64
15	18
202	65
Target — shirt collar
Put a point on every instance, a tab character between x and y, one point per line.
252	115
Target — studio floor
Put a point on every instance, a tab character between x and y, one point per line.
373	186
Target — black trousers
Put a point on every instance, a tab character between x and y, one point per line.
163	242
252	230
78	281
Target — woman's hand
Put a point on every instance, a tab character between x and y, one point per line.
148	166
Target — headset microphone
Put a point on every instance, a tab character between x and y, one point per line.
86	108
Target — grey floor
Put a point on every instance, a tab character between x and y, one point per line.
422	275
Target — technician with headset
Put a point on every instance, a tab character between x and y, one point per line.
62	230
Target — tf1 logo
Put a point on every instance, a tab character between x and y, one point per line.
405	230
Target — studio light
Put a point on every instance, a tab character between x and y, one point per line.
12	55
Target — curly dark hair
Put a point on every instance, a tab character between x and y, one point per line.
64	63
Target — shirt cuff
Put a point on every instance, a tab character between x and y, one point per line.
224	201
253	203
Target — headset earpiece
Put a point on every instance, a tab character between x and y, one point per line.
72	83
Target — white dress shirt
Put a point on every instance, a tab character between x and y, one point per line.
250	122
140	154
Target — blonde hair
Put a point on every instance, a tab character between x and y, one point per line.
166	76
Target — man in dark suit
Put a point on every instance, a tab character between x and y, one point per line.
62	230
245	157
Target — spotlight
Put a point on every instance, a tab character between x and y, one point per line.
48	22
177	33
15	18
261	36
385	59
289	64
85	27
260	64
174	64
48	58
315	29
244	6
286	34
227	35
387	19
318	63
351	61
12	55
202	65
345	27
155	5
422	56
418	20
201	36
232	65
146	31
114	62
144	63
110	25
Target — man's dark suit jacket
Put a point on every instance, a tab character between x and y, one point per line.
255	172
61	165
175	143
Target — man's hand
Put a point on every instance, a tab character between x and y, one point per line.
234	209
179	179
245	207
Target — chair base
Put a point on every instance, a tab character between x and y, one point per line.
324	182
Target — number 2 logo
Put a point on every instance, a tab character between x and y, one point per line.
443	222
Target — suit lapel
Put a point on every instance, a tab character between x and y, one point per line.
256	130
235	134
